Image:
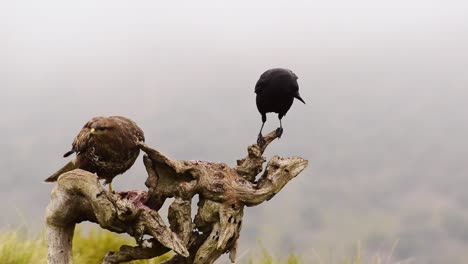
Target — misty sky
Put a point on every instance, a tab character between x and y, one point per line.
385	84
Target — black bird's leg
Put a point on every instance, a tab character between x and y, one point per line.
279	130
260	139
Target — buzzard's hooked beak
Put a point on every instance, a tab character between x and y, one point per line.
298	97
92	131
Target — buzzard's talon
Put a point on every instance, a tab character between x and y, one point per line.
279	132
260	140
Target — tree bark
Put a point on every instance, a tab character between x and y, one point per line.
223	193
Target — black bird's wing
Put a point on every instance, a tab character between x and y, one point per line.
276	75
263	81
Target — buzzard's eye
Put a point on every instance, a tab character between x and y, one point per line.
97	129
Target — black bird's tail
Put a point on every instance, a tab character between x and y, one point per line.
68	167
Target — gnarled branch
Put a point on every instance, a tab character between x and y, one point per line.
78	196
223	193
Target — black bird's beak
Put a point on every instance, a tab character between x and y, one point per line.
298	97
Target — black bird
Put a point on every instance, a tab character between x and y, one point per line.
276	90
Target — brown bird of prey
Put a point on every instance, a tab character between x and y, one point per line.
107	146
276	90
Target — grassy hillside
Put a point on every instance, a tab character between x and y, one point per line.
18	247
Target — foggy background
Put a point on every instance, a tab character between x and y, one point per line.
384	127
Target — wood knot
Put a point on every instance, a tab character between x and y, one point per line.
218	175
274	165
218	188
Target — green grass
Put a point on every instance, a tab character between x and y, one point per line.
90	246
267	258
102	242
16	247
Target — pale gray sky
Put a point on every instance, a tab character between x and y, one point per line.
384	126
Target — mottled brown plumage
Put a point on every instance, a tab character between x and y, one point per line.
107	146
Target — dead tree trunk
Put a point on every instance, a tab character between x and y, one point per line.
223	193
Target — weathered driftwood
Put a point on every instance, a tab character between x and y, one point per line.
223	192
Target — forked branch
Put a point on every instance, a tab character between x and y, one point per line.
222	191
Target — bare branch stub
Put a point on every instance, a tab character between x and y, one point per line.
223	193
249	167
